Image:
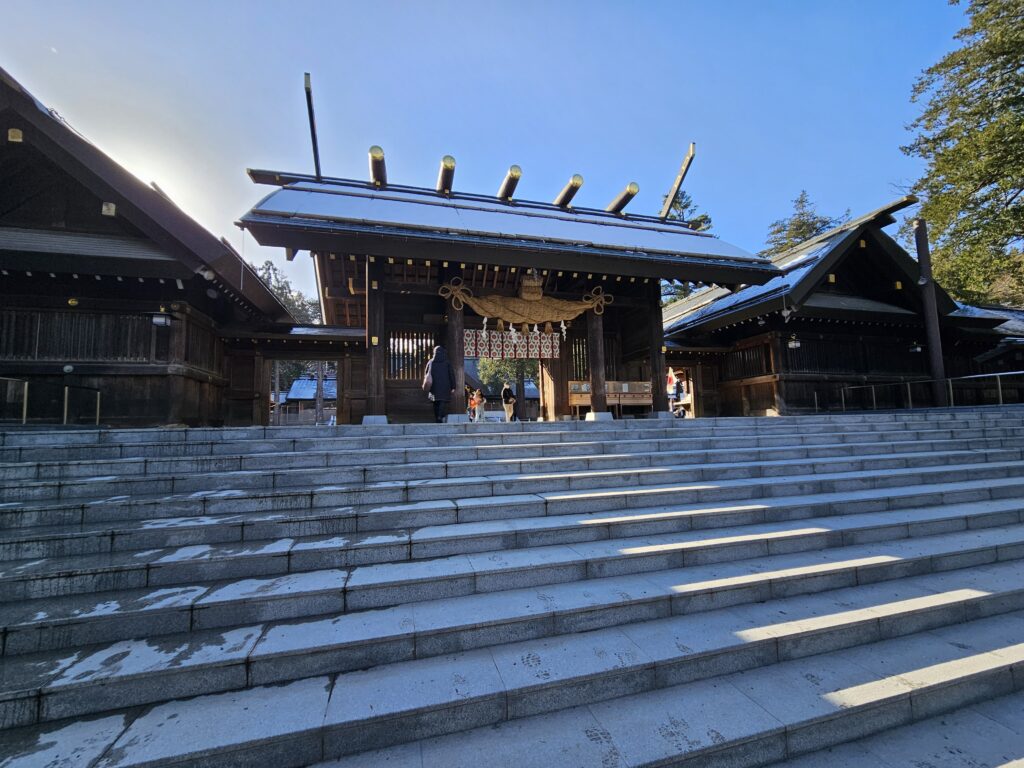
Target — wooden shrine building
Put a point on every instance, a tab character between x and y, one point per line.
845	313
112	300
406	268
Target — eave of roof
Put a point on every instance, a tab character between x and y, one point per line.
169	227
299	333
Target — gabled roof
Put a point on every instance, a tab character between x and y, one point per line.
803	268
335	214
174	232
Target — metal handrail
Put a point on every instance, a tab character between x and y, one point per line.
24	397
67	391
907	382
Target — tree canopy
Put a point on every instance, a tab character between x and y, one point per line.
804	223
305	309
494	373
971	134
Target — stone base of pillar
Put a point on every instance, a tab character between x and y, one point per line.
599	416
375	419
663	415
457	418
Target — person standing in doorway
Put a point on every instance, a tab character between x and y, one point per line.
508	402
479	407
441	386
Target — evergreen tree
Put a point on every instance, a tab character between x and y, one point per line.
494	373
971	134
305	309
804	223
683	209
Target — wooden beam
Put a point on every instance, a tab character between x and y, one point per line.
667	206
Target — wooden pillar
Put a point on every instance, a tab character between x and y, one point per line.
546	388
931	315
277	393
318	414
456	344
176	352
563	365
376	343
595	357
776	359
345	390
519	409
659	375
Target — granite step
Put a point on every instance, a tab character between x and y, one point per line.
988	733
18	446
548	555
572	473
468	594
633	442
435	719
731	720
461	528
539	675
76	620
362	467
552	493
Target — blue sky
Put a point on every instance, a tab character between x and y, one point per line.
779	96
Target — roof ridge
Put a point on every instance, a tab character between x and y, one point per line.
885	211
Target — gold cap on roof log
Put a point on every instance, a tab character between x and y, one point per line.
623	198
378	170
446	175
569	191
508	186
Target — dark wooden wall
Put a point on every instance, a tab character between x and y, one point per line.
762	375
146	374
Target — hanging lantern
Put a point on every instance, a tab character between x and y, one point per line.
547	327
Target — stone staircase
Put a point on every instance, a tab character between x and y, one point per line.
718	592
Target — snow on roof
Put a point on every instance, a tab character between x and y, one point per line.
346	202
794	264
305	389
1013	316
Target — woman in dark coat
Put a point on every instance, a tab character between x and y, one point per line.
442	386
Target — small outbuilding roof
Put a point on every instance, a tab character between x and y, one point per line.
802	270
305	389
